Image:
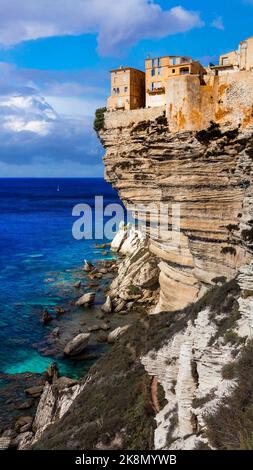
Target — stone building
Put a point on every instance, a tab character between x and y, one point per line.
158	72
127	89
235	61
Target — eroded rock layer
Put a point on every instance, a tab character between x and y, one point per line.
207	175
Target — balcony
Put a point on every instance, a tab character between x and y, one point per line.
156	91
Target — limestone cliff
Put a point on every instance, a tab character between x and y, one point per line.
208	173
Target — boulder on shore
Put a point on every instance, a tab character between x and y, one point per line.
86	300
107	306
115	334
35	391
88	266
119	238
77	344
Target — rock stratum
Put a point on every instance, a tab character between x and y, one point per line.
206	174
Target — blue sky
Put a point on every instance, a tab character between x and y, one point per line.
54	63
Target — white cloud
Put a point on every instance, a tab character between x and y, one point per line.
35	140
118	24
218	23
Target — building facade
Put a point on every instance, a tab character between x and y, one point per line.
127	89
239	60
158	72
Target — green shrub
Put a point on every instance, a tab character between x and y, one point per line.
99	121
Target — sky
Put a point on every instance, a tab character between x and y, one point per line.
55	58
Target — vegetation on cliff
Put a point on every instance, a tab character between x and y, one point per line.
99	119
115	409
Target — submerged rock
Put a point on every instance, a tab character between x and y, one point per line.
86	300
77	344
46	317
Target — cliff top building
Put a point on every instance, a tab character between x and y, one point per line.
127	89
239	60
160	69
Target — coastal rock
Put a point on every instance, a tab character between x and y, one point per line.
59	310
119	238
46	317
34	392
23	421
5	442
63	383
25	405
52	372
24	440
86	300
78	285
56	332
88	266
107	306
115	334
77	344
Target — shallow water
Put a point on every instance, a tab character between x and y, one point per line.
39	261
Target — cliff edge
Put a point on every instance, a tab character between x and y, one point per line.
207	174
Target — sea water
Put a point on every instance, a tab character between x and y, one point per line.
38	253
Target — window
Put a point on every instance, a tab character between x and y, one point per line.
183	60
225	61
152	86
184	71
173	70
115	91
159	71
156	62
153	72
125	89
173	61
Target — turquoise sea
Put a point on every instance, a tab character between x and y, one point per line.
39	263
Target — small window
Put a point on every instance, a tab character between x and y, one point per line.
173	70
125	89
153	72
159	71
184	71
225	61
173	61
152	86
156	62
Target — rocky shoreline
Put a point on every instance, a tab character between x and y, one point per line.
111	293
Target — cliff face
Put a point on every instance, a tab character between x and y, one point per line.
208	174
